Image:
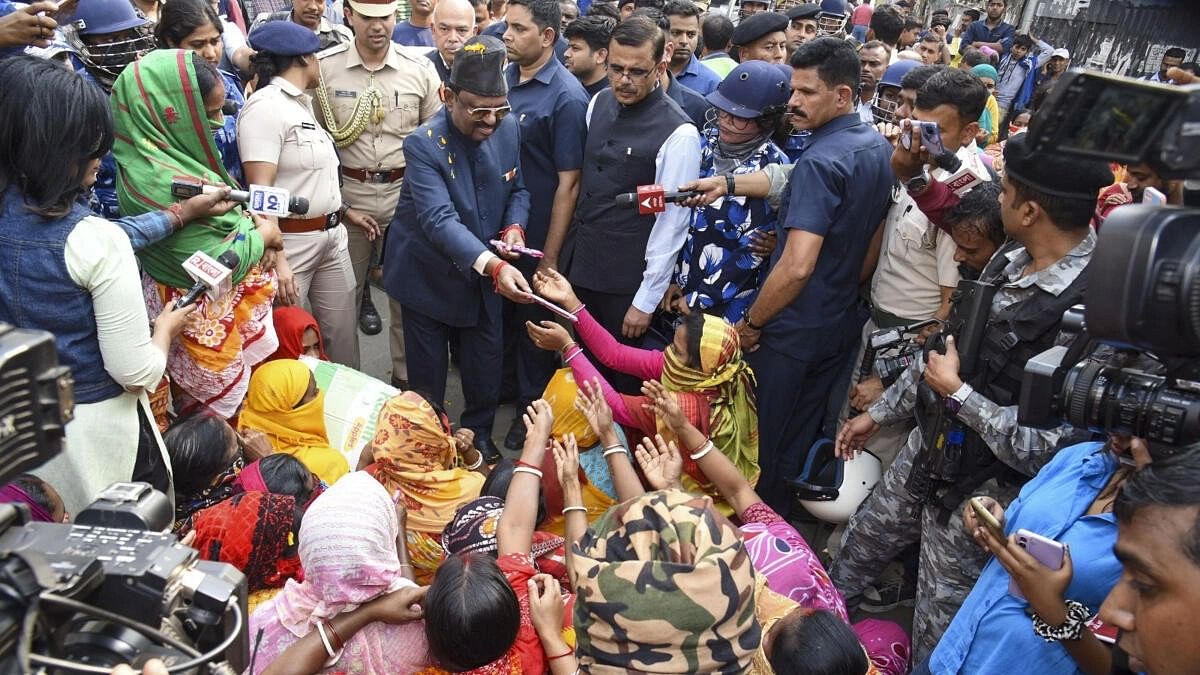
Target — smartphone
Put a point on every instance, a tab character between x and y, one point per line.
554	308
985	516
931	137
1043	549
1153	197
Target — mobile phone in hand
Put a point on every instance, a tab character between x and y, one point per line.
985	516
1043	549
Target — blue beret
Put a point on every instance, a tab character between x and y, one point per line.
284	38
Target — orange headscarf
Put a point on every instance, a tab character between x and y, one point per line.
413	452
298	430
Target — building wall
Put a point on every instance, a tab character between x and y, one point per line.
1124	37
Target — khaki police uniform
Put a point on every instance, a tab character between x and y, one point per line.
373	161
277	126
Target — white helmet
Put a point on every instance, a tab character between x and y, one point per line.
832	489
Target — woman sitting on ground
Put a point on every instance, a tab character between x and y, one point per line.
477	613
434	471
285	404
702	367
355	567
796	603
43	501
206	456
256	533
280	474
298	333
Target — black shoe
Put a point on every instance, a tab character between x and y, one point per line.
515	438
368	318
491	454
400	383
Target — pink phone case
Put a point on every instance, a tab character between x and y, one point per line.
1044	550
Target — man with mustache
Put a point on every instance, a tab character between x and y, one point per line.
804	324
464	186
621	261
372	96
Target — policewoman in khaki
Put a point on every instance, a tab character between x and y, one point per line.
372	95
282	145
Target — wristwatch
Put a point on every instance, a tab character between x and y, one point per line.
955	401
917	183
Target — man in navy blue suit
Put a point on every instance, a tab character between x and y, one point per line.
462	188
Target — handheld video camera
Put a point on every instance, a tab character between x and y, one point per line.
1144	277
115	586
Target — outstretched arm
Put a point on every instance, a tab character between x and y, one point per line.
515	532
730	482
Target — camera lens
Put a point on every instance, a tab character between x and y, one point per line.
1105	398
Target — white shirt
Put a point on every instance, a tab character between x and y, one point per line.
677	162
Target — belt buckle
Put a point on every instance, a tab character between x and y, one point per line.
333	220
378	177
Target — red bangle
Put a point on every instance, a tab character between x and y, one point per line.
569	652
340	642
526	465
505	231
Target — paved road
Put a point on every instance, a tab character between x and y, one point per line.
376	360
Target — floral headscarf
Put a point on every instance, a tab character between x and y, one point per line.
413	452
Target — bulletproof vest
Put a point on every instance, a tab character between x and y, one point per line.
619	155
955	458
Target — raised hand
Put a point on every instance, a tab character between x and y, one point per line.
591	403
566	459
661	462
664	405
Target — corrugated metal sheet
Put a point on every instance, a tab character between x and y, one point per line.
1126	37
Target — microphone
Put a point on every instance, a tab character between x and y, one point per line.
184	187
668	196
962	180
210	275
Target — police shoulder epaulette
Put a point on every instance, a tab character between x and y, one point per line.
335	49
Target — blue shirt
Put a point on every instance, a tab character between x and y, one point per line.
497	29
698	77
409	35
717	270
840	189
551	108
991	632
978	31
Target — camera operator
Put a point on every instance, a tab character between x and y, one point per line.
75	275
1154	604
1046	206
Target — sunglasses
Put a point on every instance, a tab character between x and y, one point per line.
480	114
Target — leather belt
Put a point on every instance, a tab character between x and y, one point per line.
317	224
380	177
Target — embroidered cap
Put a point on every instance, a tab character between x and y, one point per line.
479	67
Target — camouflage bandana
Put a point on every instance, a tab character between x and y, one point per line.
664	585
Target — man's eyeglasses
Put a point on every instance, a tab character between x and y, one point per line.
631	74
480	114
